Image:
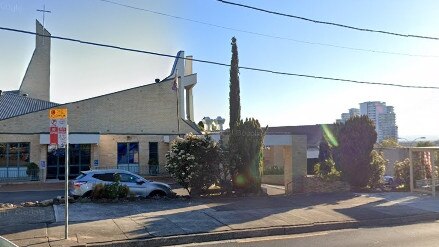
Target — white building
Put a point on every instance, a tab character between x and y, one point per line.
384	118
345	116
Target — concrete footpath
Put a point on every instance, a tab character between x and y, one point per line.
178	221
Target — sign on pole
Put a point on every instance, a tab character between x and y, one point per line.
59	136
58	113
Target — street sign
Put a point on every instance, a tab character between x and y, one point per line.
53	135
58	113
62	132
59	135
42	164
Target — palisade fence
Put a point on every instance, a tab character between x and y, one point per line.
424	169
18	174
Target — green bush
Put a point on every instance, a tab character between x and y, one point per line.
97	192
124	191
194	162
32	169
273	170
357	139
110	191
402	172
246	155
377	167
329	165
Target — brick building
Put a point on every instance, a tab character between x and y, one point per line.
127	129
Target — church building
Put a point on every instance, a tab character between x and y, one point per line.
130	129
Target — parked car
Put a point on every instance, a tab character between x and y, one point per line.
82	185
388	180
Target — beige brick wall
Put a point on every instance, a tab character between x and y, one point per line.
107	151
149	109
34	140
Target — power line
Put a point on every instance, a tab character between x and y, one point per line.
330	23
268	35
218	63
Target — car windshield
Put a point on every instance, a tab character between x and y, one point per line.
80	176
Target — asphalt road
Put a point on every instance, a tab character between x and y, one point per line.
423	234
29	196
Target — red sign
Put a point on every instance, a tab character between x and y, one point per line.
53	135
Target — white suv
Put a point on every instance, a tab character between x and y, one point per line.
82	185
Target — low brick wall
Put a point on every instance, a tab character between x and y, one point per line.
273	179
313	184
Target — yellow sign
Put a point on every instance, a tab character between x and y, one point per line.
57	113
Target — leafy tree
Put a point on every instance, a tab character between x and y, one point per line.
194	163
247	157
389	143
332	175
234	94
424	159
402	172
377	167
425	144
245	139
356	140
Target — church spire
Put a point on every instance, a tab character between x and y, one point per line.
36	81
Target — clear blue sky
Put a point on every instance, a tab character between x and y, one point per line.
80	71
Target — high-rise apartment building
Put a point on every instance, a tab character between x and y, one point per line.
383	117
345	116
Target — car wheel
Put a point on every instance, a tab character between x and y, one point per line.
157	194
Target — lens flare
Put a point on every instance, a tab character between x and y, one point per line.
329	135
240	180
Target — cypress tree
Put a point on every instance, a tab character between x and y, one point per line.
234	98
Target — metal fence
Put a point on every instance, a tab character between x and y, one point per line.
18	174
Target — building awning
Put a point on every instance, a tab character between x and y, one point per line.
74	138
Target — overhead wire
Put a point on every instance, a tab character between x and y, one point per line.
330	23
269	35
218	63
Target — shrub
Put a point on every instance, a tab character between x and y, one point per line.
194	163
32	169
97	192
377	167
110	191
246	155
273	170
356	140
328	164
402	172
123	191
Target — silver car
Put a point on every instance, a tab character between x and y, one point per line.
82	185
